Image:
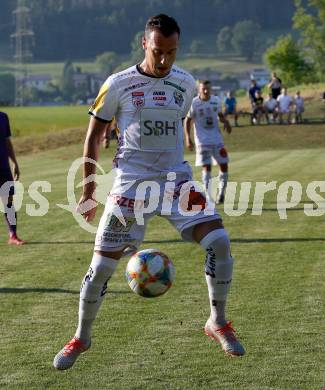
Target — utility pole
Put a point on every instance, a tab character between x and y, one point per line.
23	38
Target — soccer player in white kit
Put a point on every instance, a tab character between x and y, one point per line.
204	113
149	102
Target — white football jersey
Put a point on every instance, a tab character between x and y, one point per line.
205	116
149	113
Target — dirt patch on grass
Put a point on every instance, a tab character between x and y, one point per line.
48	141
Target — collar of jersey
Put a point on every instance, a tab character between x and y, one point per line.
147	74
204	101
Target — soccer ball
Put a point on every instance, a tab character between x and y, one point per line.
150	273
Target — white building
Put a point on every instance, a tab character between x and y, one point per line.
37	81
261	75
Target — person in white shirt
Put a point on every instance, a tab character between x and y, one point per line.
299	107
271	106
285	103
149	102
204	114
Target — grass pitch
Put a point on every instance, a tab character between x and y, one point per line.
276	301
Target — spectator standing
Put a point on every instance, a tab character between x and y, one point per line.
275	85
252	92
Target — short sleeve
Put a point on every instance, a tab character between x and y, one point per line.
191	113
106	103
190	95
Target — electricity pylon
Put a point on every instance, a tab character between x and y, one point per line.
23	38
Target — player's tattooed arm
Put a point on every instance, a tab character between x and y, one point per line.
187	130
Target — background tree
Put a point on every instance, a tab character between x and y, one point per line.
7	89
312	30
136	47
110	25
196	46
285	56
245	38
107	62
224	38
67	83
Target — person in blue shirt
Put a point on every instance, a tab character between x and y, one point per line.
7	189
252	92
230	104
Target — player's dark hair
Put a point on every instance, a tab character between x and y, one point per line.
205	82
163	23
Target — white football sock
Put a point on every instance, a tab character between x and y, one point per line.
206	177
223	180
92	292
218	272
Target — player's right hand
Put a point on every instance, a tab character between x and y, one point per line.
87	207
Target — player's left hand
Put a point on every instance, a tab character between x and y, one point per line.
16	172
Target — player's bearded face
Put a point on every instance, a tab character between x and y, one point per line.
160	53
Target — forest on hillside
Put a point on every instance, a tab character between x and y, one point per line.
85	28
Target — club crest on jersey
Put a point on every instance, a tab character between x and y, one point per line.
179	99
138	99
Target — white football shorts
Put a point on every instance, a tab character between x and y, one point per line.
127	212
206	154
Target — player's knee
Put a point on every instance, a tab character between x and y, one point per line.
112	255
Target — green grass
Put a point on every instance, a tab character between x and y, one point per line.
276	301
228	66
27	121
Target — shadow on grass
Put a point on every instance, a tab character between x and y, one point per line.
58	242
277	209
243	240
272	240
16	290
